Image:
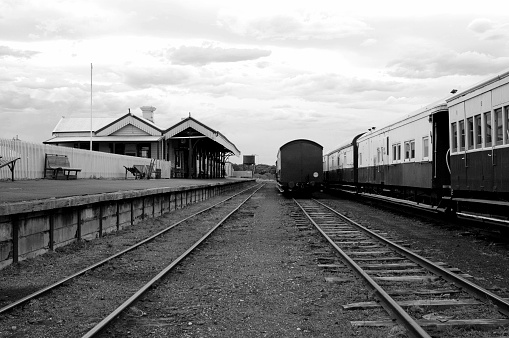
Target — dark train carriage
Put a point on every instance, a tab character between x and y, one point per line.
299	166
479	141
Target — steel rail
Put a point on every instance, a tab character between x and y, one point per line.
471	288
104	261
388	303
106	321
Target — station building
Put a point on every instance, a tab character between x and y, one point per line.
194	149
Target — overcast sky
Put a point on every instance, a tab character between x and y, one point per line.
261	72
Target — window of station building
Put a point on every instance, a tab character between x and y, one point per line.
470	132
454	134
499	126
143	150
487	129
425	147
462	134
478	131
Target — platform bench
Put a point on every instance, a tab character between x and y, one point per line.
59	167
10	162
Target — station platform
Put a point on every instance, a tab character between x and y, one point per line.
30	190
37	216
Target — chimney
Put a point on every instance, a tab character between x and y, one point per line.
148	112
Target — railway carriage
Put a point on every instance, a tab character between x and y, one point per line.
299	167
479	142
340	165
406	158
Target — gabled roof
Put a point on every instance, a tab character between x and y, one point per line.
139	122
202	129
104	126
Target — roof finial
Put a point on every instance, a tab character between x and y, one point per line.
189	114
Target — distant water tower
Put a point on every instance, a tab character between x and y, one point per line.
250	162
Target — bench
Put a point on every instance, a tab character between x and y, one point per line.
59	167
10	162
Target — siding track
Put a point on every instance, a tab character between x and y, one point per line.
403	281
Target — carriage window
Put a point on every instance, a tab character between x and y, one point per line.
462	134
425	147
506	113
487	129
399	151
478	133
412	149
407	150
470	132
454	133
498	127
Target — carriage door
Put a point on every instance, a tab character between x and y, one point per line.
440	144
489	155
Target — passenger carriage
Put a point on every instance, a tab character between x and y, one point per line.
407	159
340	165
479	141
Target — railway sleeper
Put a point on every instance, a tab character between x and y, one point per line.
477	324
427	278
434	303
423	292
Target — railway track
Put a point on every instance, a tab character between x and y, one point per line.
143	263
418	294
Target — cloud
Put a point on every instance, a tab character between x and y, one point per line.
487	29
6	51
292	26
145	77
438	64
191	55
331	87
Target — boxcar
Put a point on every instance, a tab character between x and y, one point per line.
299	166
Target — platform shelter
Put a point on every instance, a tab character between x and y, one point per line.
197	151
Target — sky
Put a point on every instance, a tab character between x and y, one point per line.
261	72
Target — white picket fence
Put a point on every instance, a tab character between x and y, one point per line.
93	164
